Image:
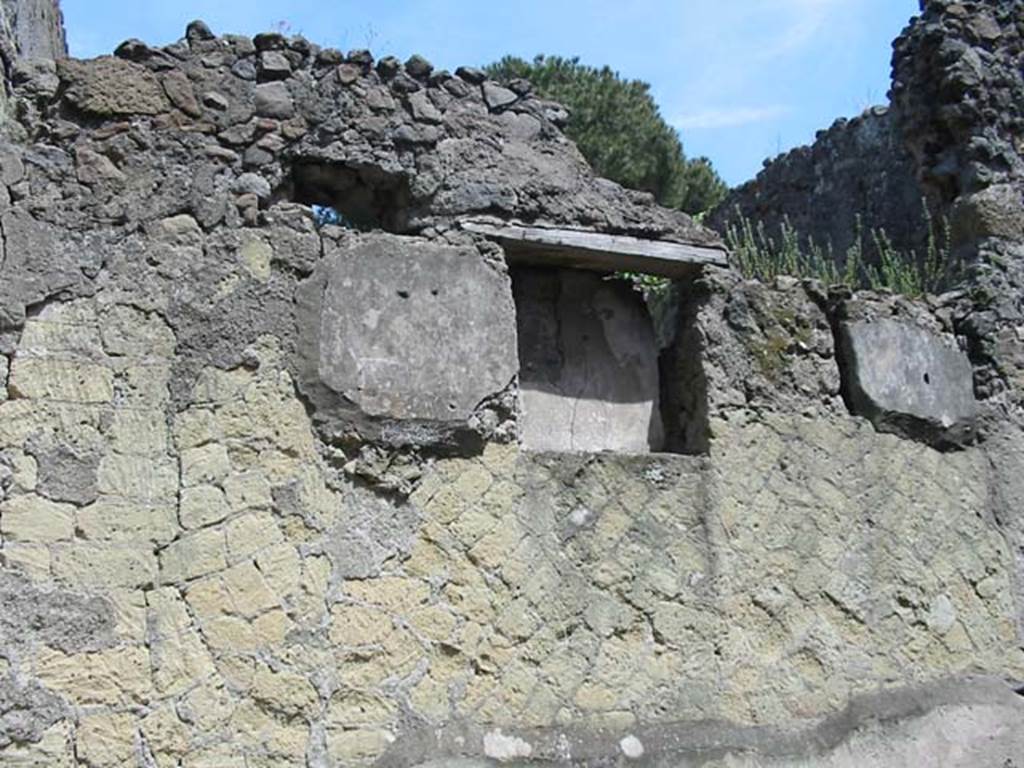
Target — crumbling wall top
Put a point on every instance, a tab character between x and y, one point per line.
243	123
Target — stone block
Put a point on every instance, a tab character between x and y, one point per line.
55	749
68	380
997	211
283	691
409	329
104	566
247	490
588	376
359	747
33	519
246	591
166	735
117	677
140	432
251	533
106	740
117	519
274	100
202	505
197	555
127	332
908	381
109	87
148	480
205	465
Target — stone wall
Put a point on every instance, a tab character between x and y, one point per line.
32	29
857	178
263	501
31	37
212	589
949	133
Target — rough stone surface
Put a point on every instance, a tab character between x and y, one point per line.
59	619
34	29
208	558
111	87
588	377
961	724
857	173
26	712
66	471
906	379
407	330
949	132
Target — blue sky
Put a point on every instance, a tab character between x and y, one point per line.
742	80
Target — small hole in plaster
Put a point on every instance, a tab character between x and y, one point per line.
403	294
927	379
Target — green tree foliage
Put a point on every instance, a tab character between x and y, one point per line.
618	128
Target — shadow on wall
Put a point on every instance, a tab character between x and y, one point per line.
363	198
589	374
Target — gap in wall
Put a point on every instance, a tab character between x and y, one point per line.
363	198
591	377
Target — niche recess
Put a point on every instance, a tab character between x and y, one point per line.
362	197
592	377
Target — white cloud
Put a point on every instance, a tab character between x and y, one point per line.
727	117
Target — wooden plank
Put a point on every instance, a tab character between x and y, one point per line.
596	251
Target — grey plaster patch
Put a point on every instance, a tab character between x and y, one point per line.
588	376
955	723
67	471
217	313
907	380
36	262
61	619
26	712
369	532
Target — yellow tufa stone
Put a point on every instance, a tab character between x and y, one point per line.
205	465
32	519
112	518
70	381
197	554
202	505
289	693
256	256
104	740
117	677
104	565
